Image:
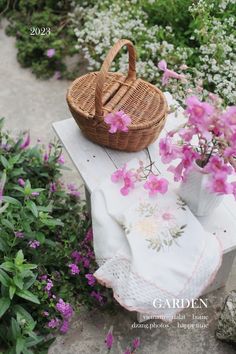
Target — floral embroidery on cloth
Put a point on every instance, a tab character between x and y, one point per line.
150	248
160	228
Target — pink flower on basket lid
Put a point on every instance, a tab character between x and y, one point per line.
118	121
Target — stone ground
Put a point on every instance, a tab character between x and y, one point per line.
28	103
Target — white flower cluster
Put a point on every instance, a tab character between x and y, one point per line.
99	27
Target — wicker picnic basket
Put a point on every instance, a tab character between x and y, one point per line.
92	96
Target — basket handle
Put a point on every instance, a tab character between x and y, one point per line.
104	70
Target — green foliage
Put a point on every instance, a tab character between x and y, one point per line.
41	224
172	13
39	26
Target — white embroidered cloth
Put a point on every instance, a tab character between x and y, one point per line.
151	250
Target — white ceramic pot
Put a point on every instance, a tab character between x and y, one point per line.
194	192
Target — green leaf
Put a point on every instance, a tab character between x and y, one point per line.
4	162
8	224
33	208
14	159
12	291
27	295
27	188
4	305
30	282
19	258
11	200
15	328
20	345
33	340
40	237
3	245
8	266
18	281
52	222
27	266
38	190
18	309
3	208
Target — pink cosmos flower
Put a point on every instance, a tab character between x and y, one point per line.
21	182
229	117
177	171
129	180
34	244
65	309
53	323
232	139
109	340
199	114
218	184
156	185
65	326
118	121
91	279
216	164
187	133
168	150
74	269
118	175
162	65
189	156
50	52
26	142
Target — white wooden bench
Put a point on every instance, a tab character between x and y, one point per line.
94	163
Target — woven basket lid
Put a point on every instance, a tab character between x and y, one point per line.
98	93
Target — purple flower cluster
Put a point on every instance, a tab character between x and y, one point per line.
74	269
89	235
19	234
65	309
91	279
76	256
34	244
73	190
96	295
54	323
